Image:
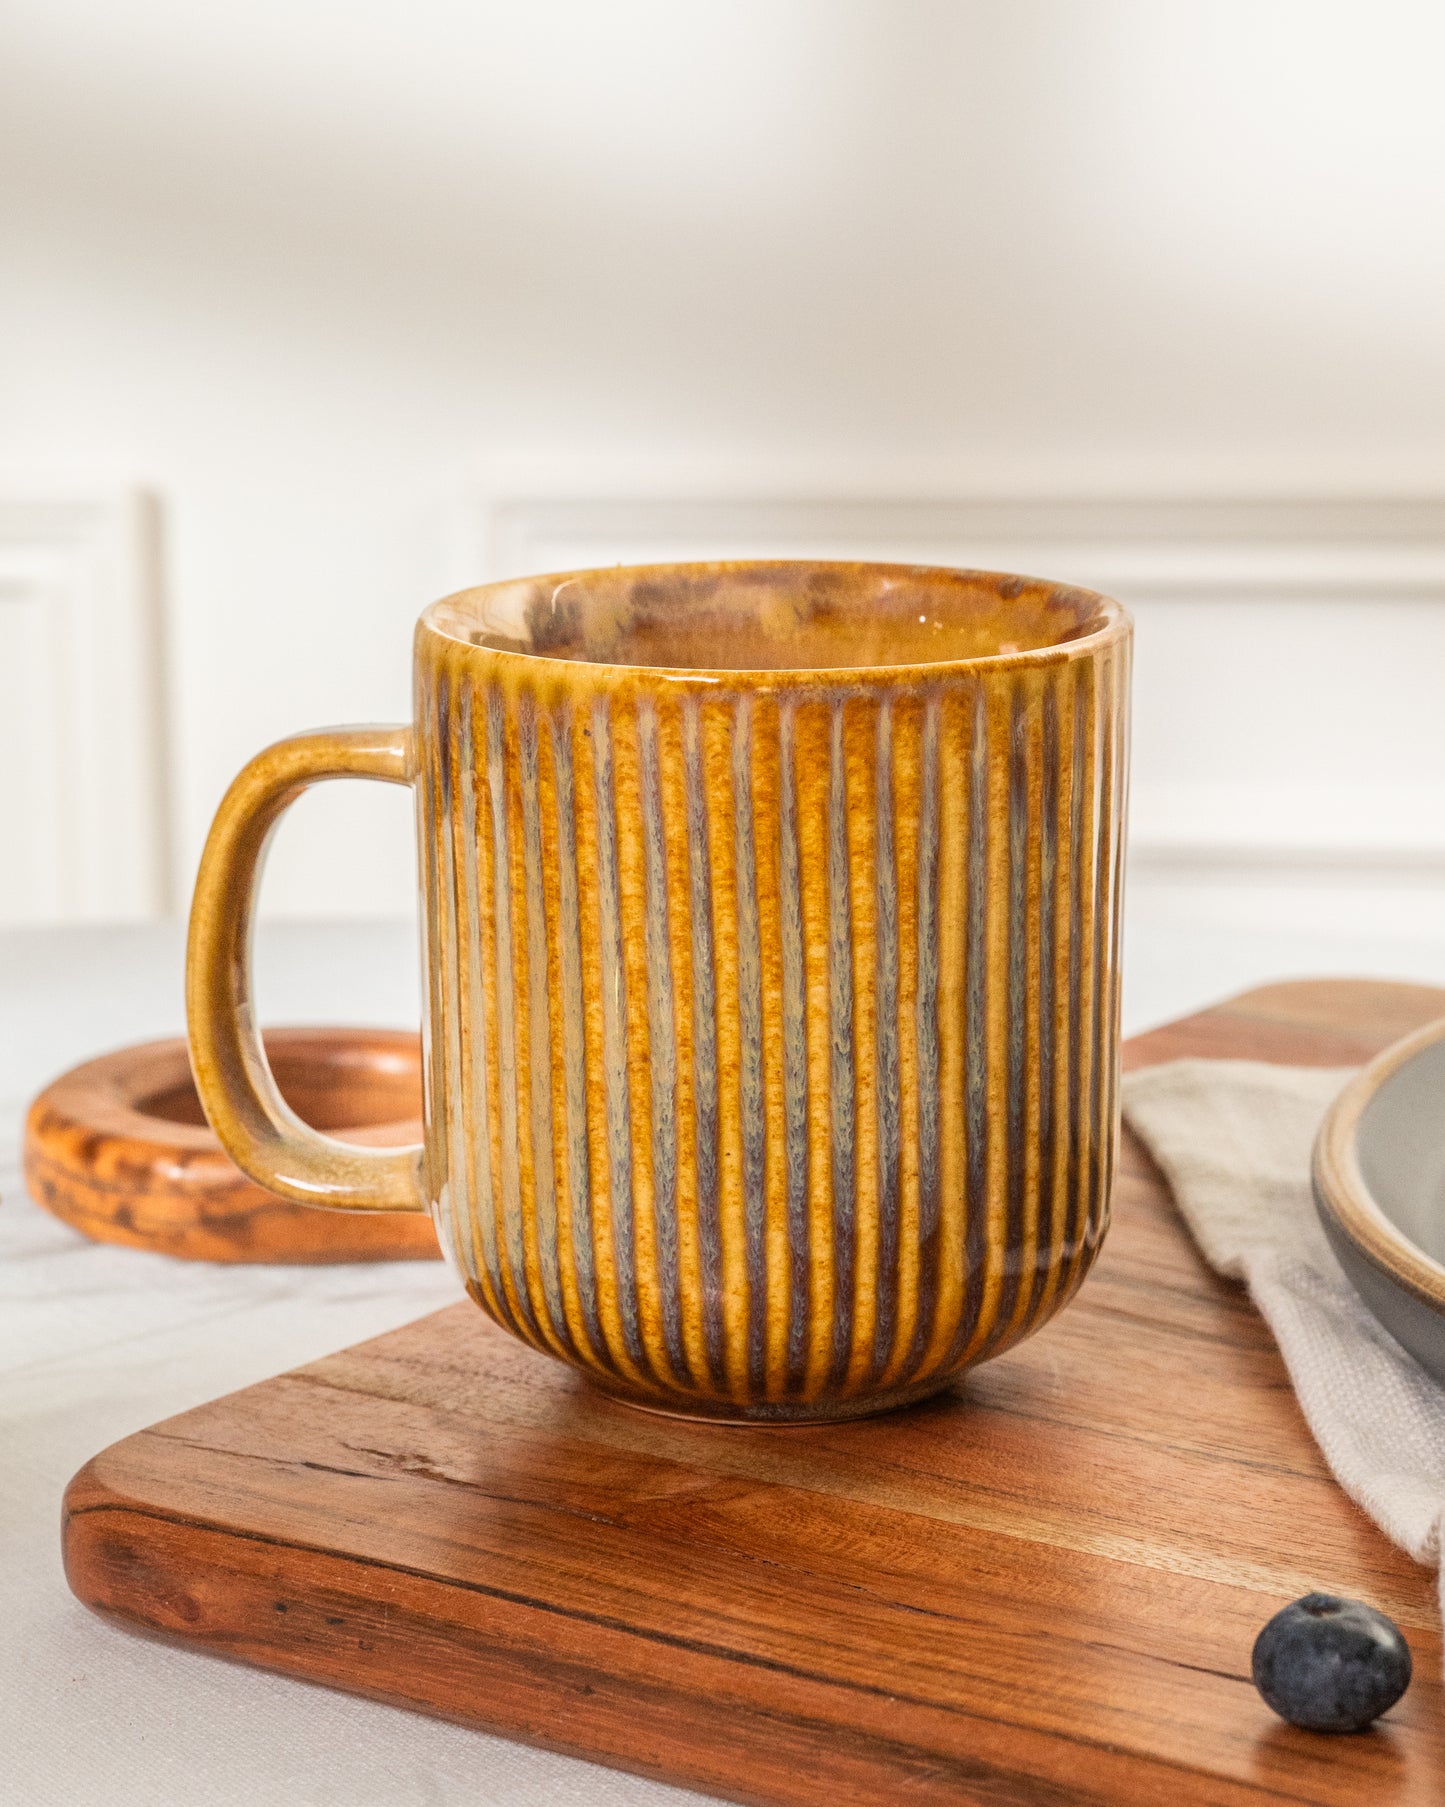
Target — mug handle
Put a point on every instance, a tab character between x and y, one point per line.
256	1126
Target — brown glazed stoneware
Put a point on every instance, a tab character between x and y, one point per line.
771	918
1379	1185
119	1149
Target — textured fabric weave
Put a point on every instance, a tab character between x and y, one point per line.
1233	1138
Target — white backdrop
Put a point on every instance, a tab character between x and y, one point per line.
322	280
313	309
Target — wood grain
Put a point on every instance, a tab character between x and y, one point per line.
119	1148
1040	1588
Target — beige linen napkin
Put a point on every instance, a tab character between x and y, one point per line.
1233	1138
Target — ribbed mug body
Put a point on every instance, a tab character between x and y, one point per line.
772	1023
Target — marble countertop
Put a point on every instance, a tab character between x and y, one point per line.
96	1342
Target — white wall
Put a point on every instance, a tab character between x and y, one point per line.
319	277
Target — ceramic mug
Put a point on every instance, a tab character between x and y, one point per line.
771	923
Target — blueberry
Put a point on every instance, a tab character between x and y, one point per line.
1331	1665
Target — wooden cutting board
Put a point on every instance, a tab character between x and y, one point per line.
1041	1588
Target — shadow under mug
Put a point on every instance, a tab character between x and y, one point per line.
771	923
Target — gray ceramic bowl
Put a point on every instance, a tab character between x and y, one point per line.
1379	1180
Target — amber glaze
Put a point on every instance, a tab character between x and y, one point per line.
771	919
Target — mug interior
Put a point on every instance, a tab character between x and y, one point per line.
778	616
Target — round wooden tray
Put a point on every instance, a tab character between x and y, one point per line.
120	1148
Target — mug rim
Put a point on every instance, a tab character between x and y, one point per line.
1114	624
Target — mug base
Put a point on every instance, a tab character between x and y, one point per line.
776	1414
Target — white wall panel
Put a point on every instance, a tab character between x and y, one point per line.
1289	693
309	285
83	829
1290	669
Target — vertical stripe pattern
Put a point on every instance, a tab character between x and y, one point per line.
773	1025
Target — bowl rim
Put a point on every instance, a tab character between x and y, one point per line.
1340	1189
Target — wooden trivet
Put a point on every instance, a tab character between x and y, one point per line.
1039	1589
120	1149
